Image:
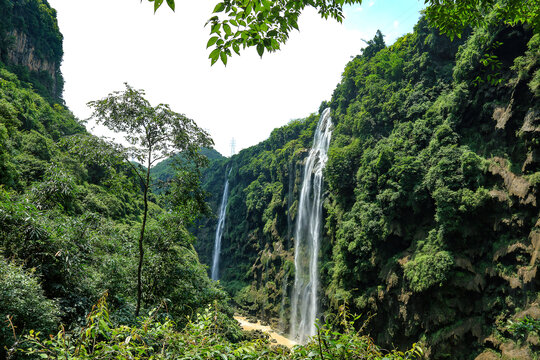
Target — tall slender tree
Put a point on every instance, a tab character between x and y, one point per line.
155	133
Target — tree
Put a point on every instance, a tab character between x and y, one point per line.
154	133
266	24
451	17
374	46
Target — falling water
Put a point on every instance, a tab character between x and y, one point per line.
284	286
219	230
308	235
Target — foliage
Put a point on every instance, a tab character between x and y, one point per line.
265	25
157	338
419	217
22	305
452	17
429	269
524	326
70	211
155	133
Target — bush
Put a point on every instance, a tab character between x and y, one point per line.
426	270
201	338
22	305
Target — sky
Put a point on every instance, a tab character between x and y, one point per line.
109	42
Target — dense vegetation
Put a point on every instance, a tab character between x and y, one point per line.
70	214
69	219
431	214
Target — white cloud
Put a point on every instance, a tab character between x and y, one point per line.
371	3
396	24
109	42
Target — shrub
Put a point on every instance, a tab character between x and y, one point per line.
22	305
426	270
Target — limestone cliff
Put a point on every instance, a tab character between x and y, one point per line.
23	53
31	45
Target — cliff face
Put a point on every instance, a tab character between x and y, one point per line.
23	53
31	45
431	210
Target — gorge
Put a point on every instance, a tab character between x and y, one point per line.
426	229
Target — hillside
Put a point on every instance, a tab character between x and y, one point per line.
431	221
71	212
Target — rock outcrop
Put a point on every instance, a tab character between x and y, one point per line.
23	53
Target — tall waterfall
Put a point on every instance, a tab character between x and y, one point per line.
307	237
219	229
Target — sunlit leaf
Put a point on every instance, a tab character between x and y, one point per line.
211	41
157	4
219	8
223	57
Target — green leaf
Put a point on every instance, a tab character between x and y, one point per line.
157	4
227	29
171	4
211	41
260	49
214	55
215	28
219	7
223	57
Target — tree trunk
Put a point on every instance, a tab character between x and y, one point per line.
141	238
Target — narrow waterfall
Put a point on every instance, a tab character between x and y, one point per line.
219	229
284	287
304	305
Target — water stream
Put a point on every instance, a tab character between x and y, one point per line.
219	229
304	304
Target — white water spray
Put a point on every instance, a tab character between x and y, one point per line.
219	230
304	305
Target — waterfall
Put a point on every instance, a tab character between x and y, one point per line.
219	229
308	235
284	287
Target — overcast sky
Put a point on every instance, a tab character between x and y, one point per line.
109	42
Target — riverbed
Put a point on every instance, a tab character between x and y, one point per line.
280	339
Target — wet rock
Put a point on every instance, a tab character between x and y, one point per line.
512	351
488	355
516	185
502	114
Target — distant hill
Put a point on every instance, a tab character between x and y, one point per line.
164	171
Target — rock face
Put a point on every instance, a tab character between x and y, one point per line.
23	53
31	45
